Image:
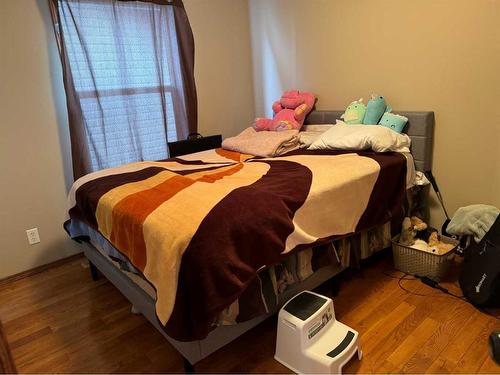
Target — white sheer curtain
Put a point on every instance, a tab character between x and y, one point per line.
124	65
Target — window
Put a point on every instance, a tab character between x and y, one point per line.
126	72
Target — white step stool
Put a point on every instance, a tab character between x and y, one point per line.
310	339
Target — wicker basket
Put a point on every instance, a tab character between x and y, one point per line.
421	263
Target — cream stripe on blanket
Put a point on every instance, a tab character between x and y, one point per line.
263	143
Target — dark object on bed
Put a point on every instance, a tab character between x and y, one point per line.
192	145
495	346
6	362
480	277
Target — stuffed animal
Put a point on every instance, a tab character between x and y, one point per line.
407	233
393	121
375	108
410	228
355	112
420	245
289	112
437	246
418	224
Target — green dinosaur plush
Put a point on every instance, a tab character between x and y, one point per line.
393	121
355	112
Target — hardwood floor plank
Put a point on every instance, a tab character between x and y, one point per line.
393	339
7	364
477	353
43	268
360	304
443	334
56	362
489	366
31	337
377	335
455	350
387	368
377	310
413	343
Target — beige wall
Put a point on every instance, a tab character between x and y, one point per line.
223	65
34	156
32	182
422	55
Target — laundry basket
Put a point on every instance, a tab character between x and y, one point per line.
421	263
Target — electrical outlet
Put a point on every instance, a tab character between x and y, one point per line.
33	236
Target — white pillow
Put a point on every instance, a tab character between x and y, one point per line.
361	137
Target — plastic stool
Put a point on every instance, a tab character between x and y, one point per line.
310	339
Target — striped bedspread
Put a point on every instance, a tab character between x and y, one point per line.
200	227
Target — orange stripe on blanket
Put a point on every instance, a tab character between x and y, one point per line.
212	177
129	214
233	155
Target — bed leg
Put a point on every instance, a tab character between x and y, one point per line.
94	272
188	367
334	286
134	310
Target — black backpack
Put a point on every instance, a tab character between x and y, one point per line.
480	276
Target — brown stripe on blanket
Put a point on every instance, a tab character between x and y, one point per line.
302	151
87	196
388	193
387	197
212	277
194	162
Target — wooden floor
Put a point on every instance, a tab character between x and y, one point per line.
6	362
61	321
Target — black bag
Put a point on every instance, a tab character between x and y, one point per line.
194	143
480	276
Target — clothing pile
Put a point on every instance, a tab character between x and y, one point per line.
264	143
474	220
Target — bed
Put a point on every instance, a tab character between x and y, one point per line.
377	210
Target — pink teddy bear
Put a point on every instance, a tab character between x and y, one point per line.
289	112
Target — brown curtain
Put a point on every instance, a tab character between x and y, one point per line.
128	70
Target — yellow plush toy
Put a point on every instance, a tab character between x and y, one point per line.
437	246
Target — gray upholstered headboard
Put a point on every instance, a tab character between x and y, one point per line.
420	128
